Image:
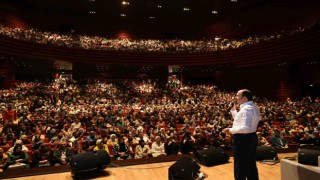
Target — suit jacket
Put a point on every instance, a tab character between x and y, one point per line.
278	141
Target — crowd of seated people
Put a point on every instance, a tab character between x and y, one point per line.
54	121
143	45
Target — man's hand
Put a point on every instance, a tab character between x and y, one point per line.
226	131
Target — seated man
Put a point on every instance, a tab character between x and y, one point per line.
41	157
57	138
186	144
25	139
201	141
277	141
92	138
171	146
62	154
36	141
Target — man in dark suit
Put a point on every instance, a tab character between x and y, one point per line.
277	141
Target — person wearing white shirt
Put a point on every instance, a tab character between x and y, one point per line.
157	147
245	139
76	124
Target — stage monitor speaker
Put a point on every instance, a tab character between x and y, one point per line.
266	153
309	155
184	169
89	161
103	158
212	156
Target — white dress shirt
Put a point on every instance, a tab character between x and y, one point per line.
246	120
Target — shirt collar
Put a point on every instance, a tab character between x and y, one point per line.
246	103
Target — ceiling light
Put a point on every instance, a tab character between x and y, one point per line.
125	3
214	12
159	6
123	15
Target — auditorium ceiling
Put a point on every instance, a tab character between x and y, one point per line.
163	18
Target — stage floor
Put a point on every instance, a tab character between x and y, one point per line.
159	171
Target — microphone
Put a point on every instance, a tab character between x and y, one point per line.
231	105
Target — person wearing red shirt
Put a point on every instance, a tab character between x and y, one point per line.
9	114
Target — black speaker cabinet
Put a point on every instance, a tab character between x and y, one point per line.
89	161
103	158
266	153
212	156
184	169
308	155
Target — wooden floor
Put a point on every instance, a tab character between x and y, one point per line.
159	171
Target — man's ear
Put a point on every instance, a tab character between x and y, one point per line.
245	98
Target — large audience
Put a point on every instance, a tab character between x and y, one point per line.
140	45
46	124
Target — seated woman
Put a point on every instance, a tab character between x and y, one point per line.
113	140
157	148
4	142
18	142
41	157
121	150
101	146
62	154
18	158
141	150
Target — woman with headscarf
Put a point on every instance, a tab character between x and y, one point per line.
113	140
121	150
101	146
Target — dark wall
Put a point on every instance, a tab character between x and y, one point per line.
276	81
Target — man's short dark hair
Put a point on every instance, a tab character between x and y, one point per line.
247	93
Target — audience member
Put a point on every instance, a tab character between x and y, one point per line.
157	148
17	158
3	160
142	150
101	146
277	141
